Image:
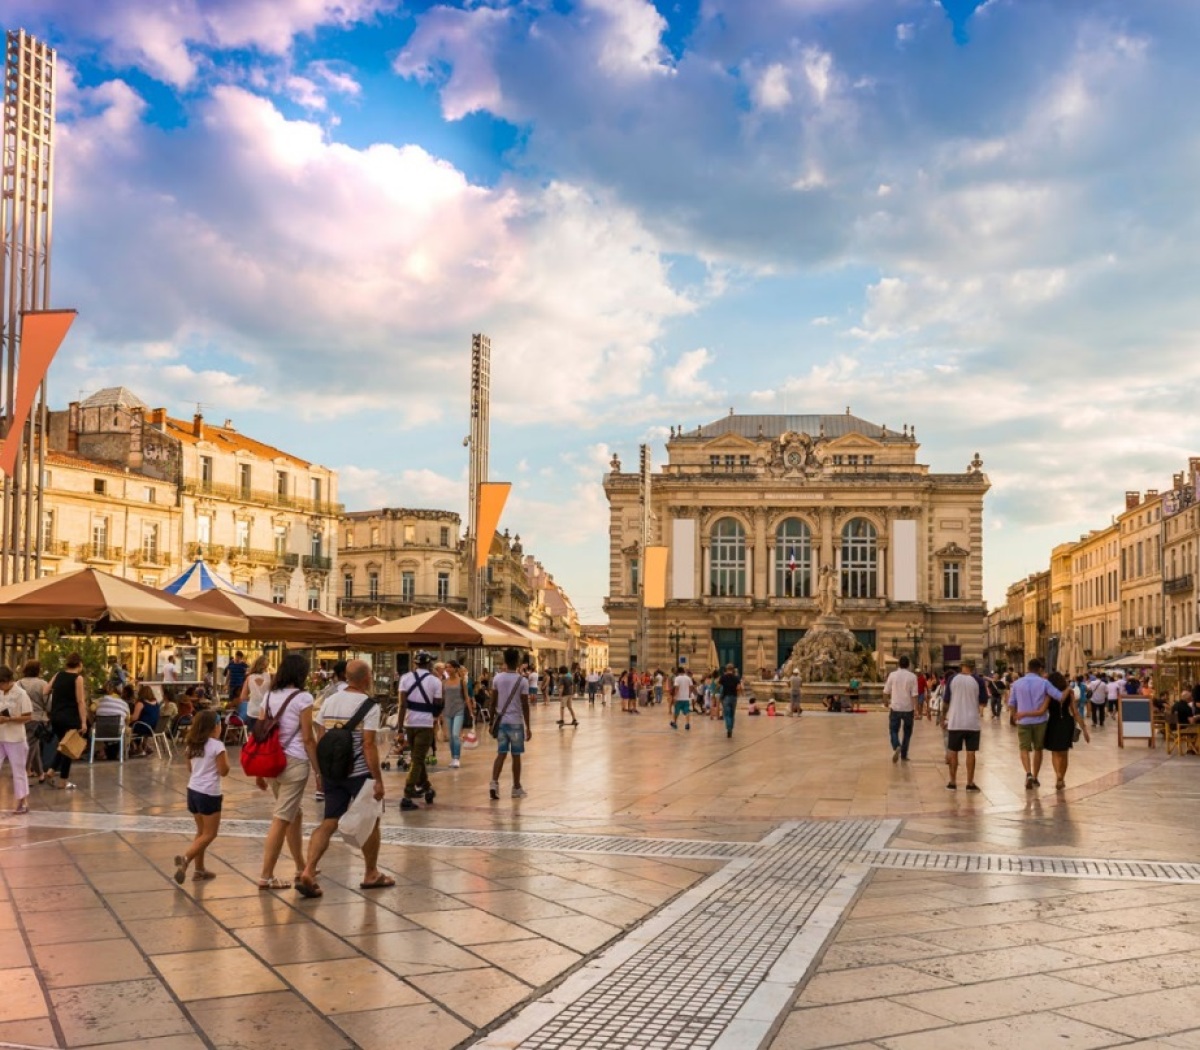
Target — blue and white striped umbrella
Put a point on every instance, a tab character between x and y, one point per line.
196	579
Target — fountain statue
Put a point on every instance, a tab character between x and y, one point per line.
829	651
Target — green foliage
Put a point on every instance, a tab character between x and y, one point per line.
55	647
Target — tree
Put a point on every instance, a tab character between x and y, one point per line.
56	647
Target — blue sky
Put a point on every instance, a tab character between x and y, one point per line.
978	218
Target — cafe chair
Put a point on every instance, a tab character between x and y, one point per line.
109	729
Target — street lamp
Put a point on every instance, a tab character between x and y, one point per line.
676	637
915	634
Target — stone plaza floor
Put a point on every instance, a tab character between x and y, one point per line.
790	888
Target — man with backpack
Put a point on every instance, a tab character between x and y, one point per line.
420	705
348	758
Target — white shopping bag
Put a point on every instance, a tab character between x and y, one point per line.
360	819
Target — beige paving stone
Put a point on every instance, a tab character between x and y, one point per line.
1110	947
471	926
275	1021
66	874
163	903
120	1012
579	932
167	1042
1029	1030
169	936
827	1026
425	1025
1177	970
349	985
535	962
30	899
1139	1015
263	909
294	942
475	995
22	998
514	905
33	1031
614	909
998	963
1008	935
867	982
13	953
90	962
420	951
360	917
992	999
215	974
852	954
87	924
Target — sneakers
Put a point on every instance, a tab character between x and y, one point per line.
688	727
518	793
494	790
674	725
408	803
430	795
972	787
1029	781
455	763
895	754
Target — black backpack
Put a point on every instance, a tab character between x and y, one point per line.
335	749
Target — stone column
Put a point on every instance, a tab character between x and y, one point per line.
759	559
827	548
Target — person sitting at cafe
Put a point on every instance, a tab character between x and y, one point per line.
146	713
186	709
1182	711
111	703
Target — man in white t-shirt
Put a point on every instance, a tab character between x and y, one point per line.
658	687
510	708
339	709
966	694
684	689
420	705
900	688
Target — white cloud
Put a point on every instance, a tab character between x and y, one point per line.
630	37
682	380
772	92
363	488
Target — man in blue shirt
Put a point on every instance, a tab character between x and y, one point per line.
1030	698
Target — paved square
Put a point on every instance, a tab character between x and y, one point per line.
789	888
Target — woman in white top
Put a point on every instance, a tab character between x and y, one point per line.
290	702
254	690
209	763
15	710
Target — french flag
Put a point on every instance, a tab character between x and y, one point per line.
792	564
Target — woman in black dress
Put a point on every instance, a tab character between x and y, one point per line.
1060	728
68	710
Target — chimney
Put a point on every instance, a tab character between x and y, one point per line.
1132	499
73	427
198	426
1151	494
158	418
229	424
1177	481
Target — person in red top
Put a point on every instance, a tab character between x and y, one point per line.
922	693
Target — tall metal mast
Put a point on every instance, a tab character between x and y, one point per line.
479	441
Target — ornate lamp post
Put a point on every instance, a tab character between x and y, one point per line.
915	634
677	637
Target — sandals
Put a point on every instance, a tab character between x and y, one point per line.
381	883
21	809
309	889
274	883
203	876
180	870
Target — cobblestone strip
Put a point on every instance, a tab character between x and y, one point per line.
727	956
1014	864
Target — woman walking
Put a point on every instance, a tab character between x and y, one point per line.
454	695
209	763
15	710
254	689
1064	721
38	733
68	710
566	690
291	703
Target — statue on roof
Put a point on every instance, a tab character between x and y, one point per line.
794	455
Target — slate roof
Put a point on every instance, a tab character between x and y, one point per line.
114	397
748	426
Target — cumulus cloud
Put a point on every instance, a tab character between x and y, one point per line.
683	380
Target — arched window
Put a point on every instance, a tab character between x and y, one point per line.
727	559
860	560
793	560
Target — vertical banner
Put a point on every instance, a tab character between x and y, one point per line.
655	583
683	558
904	560
42	333
492	497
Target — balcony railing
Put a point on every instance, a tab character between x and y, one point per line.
318	562
55	548
267	497
99	552
149	556
1177	584
256	556
393	606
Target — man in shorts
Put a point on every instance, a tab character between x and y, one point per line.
338	709
1030	698
510	707
965	696
684	689
420	705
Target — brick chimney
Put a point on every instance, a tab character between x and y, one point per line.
198	426
1132	500
1151	494
73	410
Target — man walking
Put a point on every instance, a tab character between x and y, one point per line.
731	685
1030	698
1097	695
420	705
510	714
900	688
684	689
340	709
965	696
235	675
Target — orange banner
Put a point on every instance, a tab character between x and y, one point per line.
42	333
492	497
656	578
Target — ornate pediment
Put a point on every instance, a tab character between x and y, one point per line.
952	550
852	443
730	443
794	455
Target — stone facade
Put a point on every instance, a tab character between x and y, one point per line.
260	516
753	508
1141	576
1035	616
552	613
1096	561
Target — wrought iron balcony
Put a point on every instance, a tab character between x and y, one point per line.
242	494
100	552
316	562
1177	584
